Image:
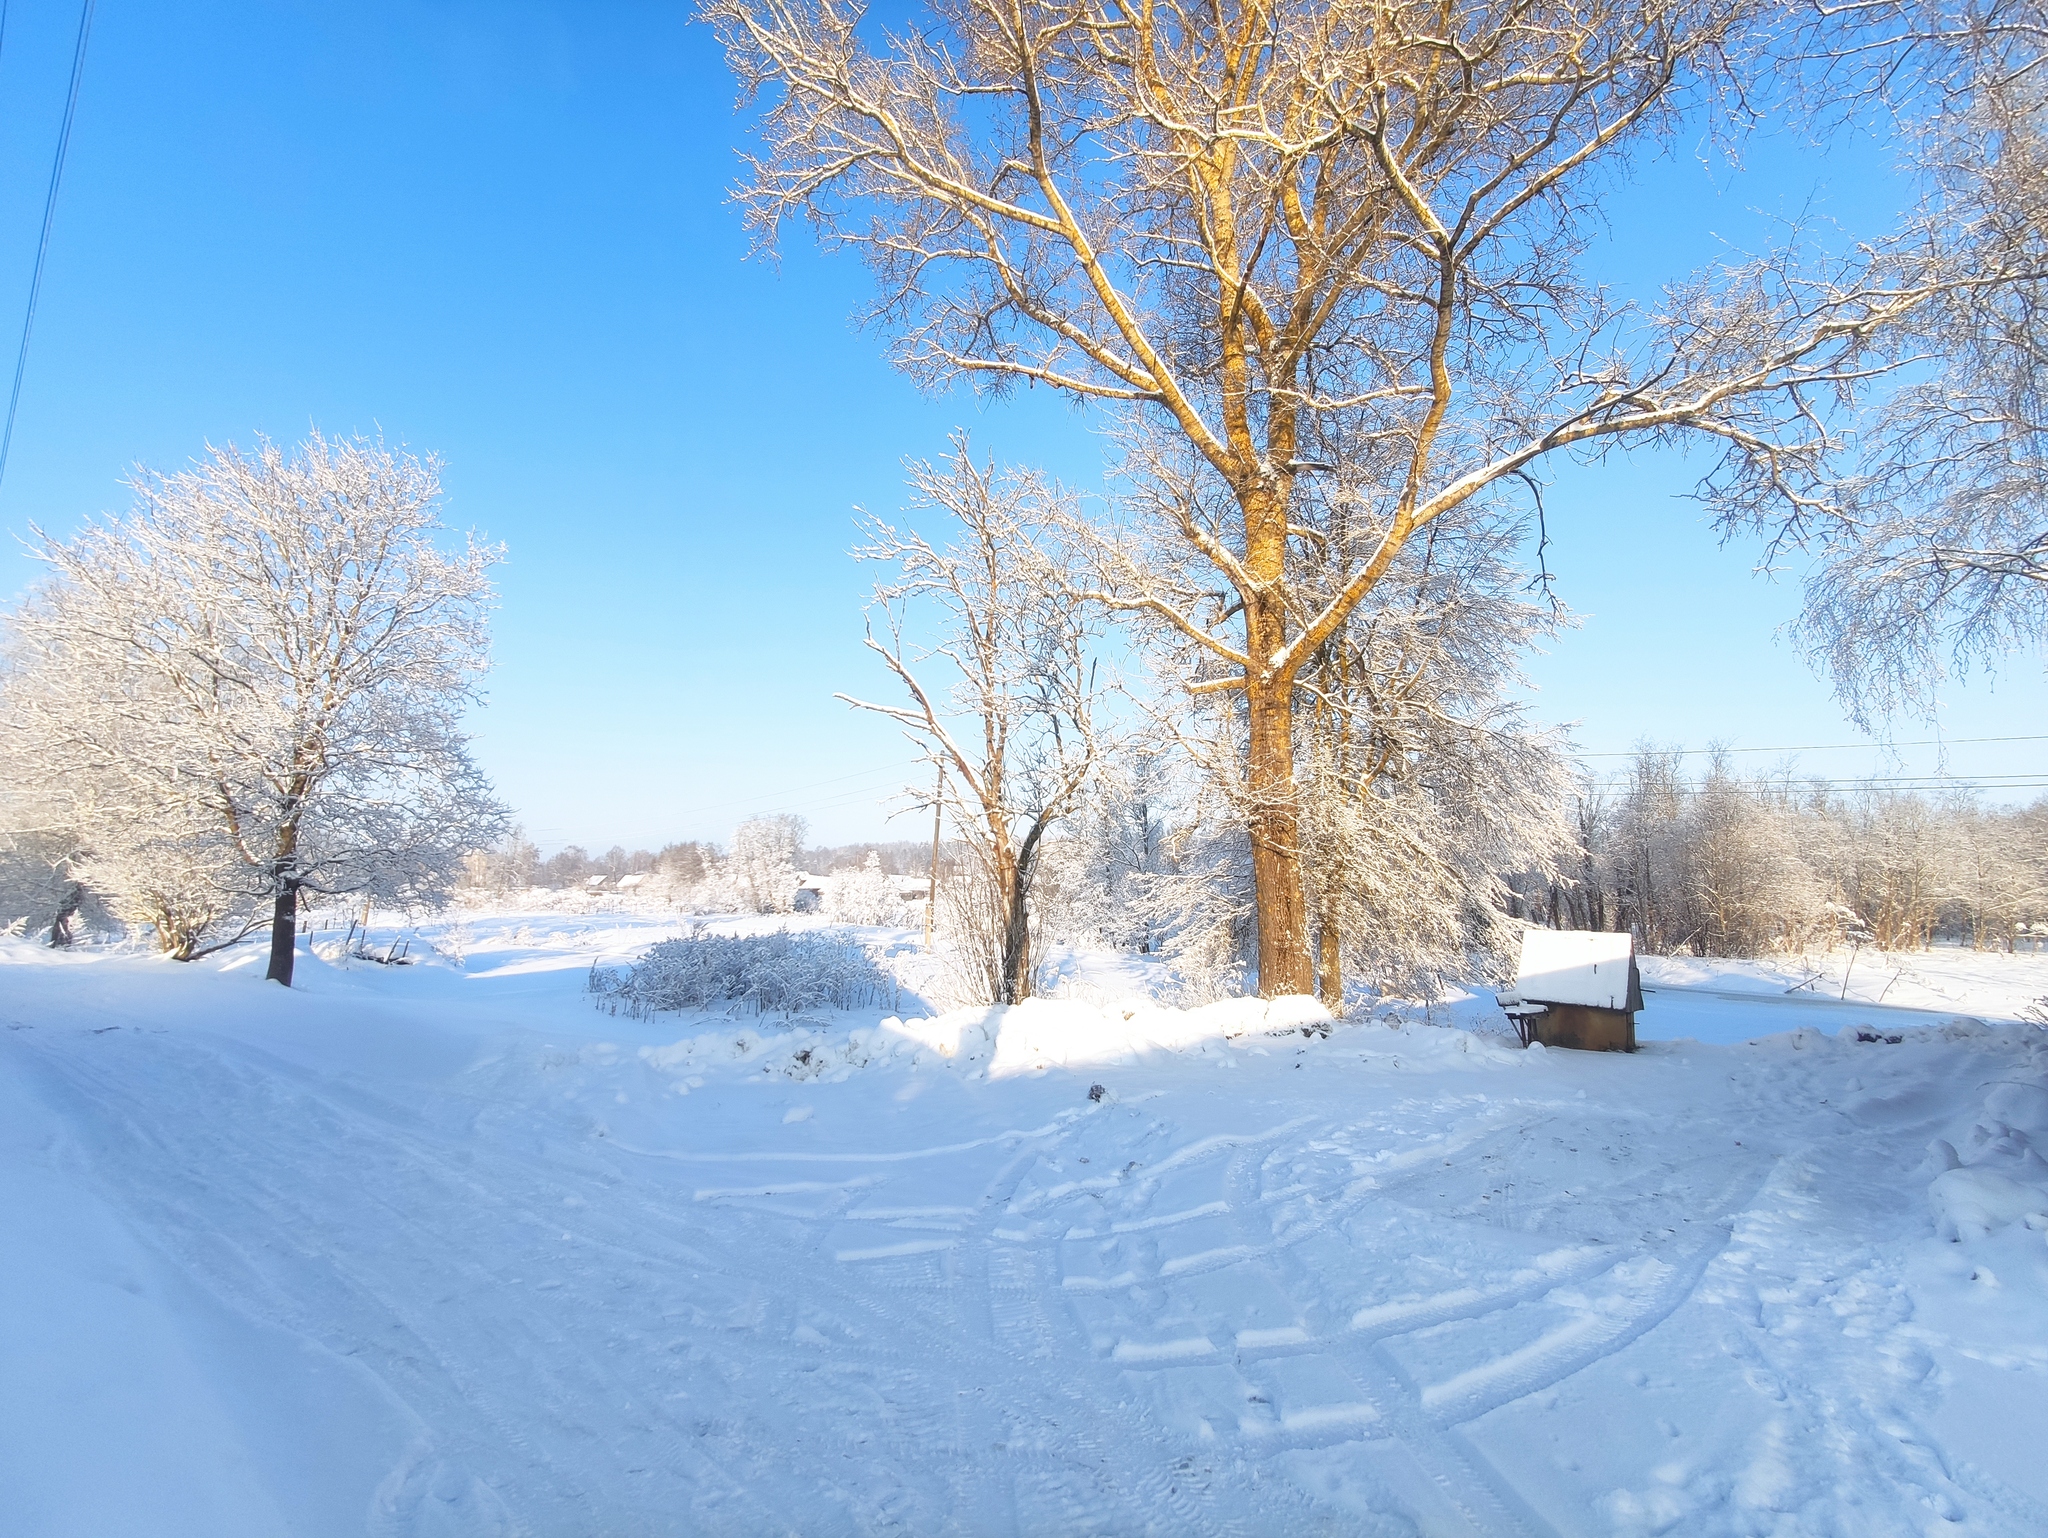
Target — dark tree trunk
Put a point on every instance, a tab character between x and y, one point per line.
60	926
284	927
1016	900
1016	947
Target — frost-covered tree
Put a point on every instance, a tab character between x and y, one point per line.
1930	538
251	688
1644	854
507	866
1998	870
1728	864
41	891
866	895
1743	878
1101	878
1273	230
761	867
984	636
1422	787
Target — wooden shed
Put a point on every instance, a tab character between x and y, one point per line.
1576	988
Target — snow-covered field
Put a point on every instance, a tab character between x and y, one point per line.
445	1250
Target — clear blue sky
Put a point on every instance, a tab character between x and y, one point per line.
498	232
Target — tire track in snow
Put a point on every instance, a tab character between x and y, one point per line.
212	1193
1571	1347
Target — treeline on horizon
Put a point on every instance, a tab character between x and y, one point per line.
1726	864
518	863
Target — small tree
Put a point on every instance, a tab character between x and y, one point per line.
1013	728
251	688
867	895
762	865
507	866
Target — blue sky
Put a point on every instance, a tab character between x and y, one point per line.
499	232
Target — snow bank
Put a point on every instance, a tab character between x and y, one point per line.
1055	1033
996	1041
1994	1174
1943	979
1000	1042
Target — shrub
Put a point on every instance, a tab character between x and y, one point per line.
778	973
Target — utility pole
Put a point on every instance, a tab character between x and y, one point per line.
931	895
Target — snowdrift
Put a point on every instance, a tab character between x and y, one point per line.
1001	1041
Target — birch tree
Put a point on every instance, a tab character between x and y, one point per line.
1275	230
251	688
996	660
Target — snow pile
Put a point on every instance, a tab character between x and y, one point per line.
999	1042
1057	1033
1997	1176
780	973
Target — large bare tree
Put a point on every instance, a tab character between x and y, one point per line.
1281	231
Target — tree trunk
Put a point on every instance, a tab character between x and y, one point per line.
1330	960
284	933
1284	965
1016	876
1016	946
284	917
60	926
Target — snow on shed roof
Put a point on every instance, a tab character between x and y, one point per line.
1564	966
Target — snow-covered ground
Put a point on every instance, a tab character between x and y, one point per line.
445	1250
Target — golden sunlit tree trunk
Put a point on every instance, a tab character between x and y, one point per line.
1279	234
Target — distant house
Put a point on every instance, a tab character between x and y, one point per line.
1576	988
633	883
811	893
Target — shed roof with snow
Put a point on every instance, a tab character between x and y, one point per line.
1585	967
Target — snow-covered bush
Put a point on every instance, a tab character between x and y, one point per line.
780	973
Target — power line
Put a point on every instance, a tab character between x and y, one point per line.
766	797
35	287
1820	747
1898	782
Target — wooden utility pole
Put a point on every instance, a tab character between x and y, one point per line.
931	894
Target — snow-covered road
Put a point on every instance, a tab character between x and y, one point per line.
434	1251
